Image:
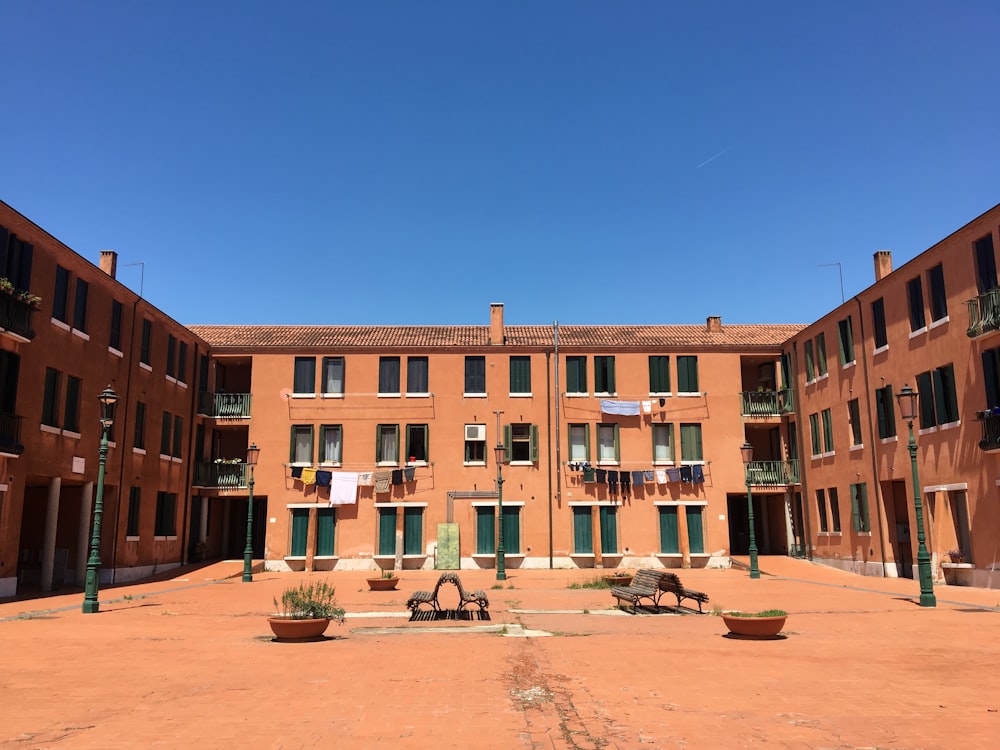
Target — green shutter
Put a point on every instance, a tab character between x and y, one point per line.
486	531
611	375
855	510
810	366
618	451
659	374
583	534
696	532
326	521
534	443
814	429
821	353
668	530
586	439
506	442
827	431
691	442
387	531
863	507
609	529
926	399
300	531
413	531
939	398
512	530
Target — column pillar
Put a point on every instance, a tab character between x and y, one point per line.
51	524
83	533
203	520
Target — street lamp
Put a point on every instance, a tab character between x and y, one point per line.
108	399
746	451
907	398
500	453
252	453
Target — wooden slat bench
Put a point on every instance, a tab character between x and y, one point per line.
430	598
670	583
645	585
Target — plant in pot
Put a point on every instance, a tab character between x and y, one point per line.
304	611
765	624
385	582
617	578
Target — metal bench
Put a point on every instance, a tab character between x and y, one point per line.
670	583
645	585
465	598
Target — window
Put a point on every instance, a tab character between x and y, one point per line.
388	376
845	341
178	436
304	376
166	423
696	529
886	413
146	342
171	354
50	402
60	296
416	442
824	524
991	377
854	415
687	375
827	431
807	348
521	442
326	527
330	443
413	531
333	375
139	438
416	376
579	442
486	530
821	367
134	501
115	334
691	443
878	323
669	537
939	299
659	374
166	514
986	264
938	400
583	531
859	507
475	444
608	523
915	296
387	444
576	374
475	375
663	443
71	415
80	306
520	375
182	355
834	510
604	374
817	446
608	450
301	444
386	531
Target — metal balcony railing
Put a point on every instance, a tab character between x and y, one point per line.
984	313
772	473
15	316
10	434
224	405
990	419
766	403
220	475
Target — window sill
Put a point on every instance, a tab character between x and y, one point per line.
330	464
918	332
858	447
117	352
660	394
940	322
849	365
303	395
582	555
473	463
139	451
171	379
418	395
474	395
880	350
520	463
520	395
81	334
72	434
674	555
608	462
862	533
331	395
958	566
59	324
576	394
605	394
891	439
690	394
950	425
326	557
168	538
145	366
50	429
927	430
663	463
132	539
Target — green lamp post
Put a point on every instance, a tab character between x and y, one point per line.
907	398
108	399
500	453
253	452
746	451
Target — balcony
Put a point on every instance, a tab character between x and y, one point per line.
15	317
224	405
990	419
984	313
221	475
772	473
766	403
10	435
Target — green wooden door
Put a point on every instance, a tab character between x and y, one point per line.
326	522
387	531
300	531
609	530
696	531
486	531
583	533
413	531
668	530
512	530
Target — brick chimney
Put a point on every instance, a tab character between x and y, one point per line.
109	262
496	323
883	264
714	324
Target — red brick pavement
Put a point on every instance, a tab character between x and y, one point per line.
188	661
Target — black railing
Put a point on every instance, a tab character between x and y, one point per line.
984	313
772	473
990	419
766	403
224	405
15	316
220	475
10	434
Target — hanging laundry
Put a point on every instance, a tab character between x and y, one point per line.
661	476
323	478
383	481
588	475
686	474
365	479
623	408
602	476
698	474
626	484
408	473
397	477
647	407
296	472
343	488
308	475
648	476
637	478
674	475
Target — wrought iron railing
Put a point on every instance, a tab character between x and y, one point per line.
10	434
767	403
772	473
15	316
984	313
990	419
220	475
224	405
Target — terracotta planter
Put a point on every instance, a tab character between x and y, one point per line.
382	584
618	580
288	629
755	627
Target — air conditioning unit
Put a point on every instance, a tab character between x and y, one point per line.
475	432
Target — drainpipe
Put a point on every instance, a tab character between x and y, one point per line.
192	415
797	398
555	342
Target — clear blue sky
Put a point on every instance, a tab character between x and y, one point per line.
586	162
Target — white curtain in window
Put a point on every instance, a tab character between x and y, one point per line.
661	443
331	444
333	377
303	446
577	443
387	444
606	442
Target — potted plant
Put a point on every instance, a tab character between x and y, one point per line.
956	556
617	578
385	582
304	611
765	624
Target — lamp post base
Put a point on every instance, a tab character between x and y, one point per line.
90	607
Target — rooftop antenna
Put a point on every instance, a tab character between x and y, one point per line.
840	268
142	274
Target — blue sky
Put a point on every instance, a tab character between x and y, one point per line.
586	162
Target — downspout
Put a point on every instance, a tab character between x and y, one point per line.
879	498
121	462
797	398
193	391
555	342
